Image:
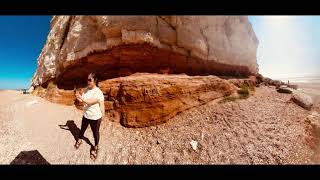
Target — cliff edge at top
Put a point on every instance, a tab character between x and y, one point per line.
116	46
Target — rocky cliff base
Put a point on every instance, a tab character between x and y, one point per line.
265	128
144	99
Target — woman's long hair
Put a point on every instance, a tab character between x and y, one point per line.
94	77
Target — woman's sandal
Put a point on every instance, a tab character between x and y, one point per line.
94	153
78	143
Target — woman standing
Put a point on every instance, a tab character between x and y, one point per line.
93	112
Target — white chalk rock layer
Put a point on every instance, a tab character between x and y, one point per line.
225	39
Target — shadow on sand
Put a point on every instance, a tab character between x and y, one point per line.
75	131
30	157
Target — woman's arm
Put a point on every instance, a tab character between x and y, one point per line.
88	101
91	101
101	103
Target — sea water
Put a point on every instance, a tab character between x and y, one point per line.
298	78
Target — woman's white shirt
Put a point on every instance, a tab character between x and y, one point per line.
92	112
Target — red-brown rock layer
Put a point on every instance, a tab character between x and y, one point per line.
128	59
117	47
142	100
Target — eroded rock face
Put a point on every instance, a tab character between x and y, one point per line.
120	48
121	45
144	99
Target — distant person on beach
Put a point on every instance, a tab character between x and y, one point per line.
93	112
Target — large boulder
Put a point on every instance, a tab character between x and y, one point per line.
276	83
284	89
269	82
117	46
302	100
259	78
142	99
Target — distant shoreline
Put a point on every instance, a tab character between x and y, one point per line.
315	79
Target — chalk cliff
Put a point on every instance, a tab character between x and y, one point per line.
119	46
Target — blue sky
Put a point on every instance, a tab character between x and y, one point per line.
21	41
289	46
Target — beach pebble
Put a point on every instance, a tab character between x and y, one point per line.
194	145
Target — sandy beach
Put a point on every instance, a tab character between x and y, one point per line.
266	128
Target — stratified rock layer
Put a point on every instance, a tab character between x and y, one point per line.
117	46
142	100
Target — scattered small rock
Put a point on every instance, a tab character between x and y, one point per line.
194	145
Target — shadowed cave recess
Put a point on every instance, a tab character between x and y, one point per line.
128	59
144	99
